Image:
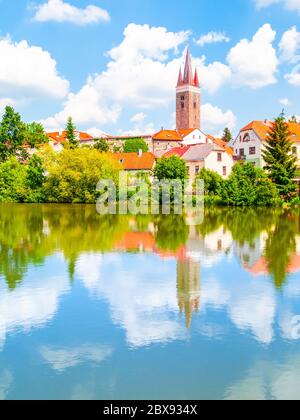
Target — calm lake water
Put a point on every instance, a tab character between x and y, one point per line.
118	307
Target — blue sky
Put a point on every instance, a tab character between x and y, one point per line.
113	64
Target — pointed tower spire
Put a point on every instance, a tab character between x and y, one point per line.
180	79
196	79
188	72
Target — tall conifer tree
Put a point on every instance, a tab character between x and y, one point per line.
280	159
71	134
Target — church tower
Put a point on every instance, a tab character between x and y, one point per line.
188	97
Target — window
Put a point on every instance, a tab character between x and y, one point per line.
197	170
294	150
242	152
224	171
182	98
195	105
252	150
219	157
182	105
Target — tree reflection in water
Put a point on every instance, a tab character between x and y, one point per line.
264	240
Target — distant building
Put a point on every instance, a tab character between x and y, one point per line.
208	156
251	141
135	162
58	138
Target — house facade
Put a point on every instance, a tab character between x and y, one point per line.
208	156
251	141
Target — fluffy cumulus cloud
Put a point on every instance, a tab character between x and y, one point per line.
290	44
254	63
60	11
142	70
141	74
214	119
292	5
28	72
212	38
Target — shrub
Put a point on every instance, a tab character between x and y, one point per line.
249	186
73	174
213	182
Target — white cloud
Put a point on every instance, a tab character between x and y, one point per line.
212	38
254	63
290	44
31	305
138	118
140	75
293	78
60	11
214	120
61	359
285	102
292	5
28	72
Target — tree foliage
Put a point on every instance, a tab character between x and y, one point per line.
73	174
248	186
101	145
171	168
135	145
227	136
12	134
35	135
279	158
213	182
71	138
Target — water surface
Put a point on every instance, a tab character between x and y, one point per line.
117	307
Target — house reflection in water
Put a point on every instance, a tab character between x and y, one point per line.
188	268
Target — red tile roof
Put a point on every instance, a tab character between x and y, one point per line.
178	151
262	128
135	162
60	137
167	135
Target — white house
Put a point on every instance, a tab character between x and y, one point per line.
251	141
209	156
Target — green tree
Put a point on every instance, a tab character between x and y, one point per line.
13	181
71	134
171	168
12	133
213	182
135	145
248	186
227	136
101	145
73	174
35	172
279	158
35	134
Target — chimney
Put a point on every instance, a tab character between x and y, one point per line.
140	153
60	131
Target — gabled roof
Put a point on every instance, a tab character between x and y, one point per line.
134	161
177	151
195	153
167	135
262	128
